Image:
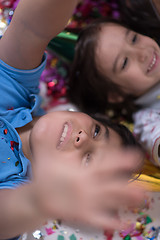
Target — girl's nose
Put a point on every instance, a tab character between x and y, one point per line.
141	54
81	138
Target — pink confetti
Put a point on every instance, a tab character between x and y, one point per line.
140	238
109	236
49	231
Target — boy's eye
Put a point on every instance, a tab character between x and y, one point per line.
134	39
124	63
96	131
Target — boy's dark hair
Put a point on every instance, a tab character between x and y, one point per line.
127	137
89	89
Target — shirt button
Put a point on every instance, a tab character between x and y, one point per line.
23	116
1	124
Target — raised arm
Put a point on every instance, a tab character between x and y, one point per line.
33	25
92	196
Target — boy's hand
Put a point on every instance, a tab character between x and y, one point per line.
31	29
91	195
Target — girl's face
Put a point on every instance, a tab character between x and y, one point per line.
72	137
128	59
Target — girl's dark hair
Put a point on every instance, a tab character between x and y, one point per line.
142	16
89	89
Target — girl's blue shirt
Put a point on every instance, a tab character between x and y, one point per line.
19	101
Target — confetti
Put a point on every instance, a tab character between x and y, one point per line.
60	237
72	237
5	131
16	163
49	231
13	144
37	234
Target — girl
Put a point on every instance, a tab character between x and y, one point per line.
116	68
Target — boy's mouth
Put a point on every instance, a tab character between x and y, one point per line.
65	135
152	63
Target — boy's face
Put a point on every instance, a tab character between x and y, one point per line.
72	138
128	59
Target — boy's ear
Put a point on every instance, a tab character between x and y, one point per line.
114	98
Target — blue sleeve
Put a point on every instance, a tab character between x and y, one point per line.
19	93
29	79
17	85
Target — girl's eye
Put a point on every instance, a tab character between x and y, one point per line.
134	39
96	131
124	63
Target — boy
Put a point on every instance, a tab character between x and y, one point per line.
72	156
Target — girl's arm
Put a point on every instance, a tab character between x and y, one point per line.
33	25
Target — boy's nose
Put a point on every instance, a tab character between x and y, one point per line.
81	138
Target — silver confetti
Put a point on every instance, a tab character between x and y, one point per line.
37	235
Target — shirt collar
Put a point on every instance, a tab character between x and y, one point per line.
149	98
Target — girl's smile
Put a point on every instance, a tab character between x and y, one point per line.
154	63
